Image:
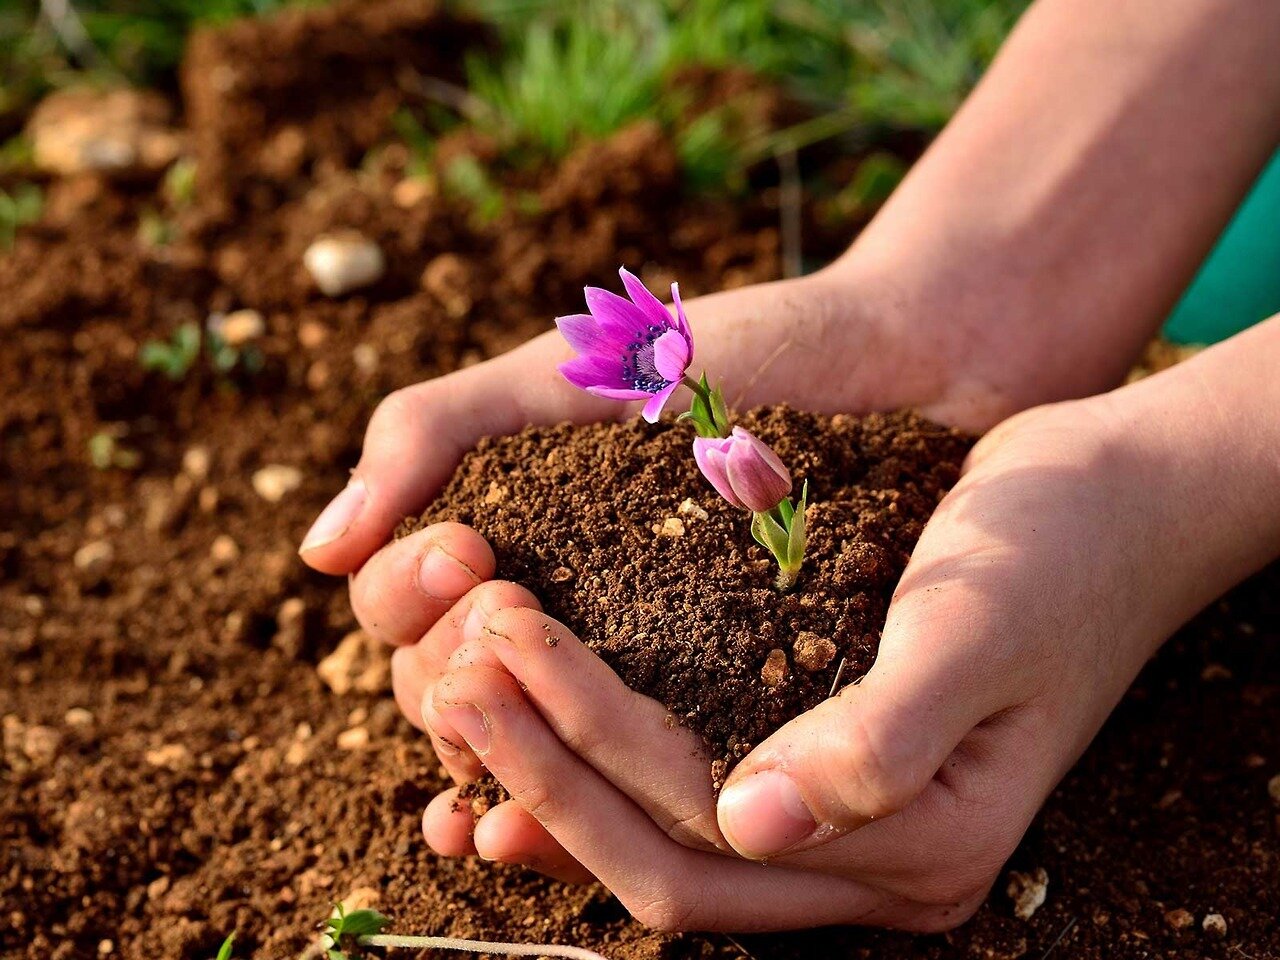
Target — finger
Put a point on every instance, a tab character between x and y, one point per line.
509	834
447	825
662	883
628	738
415	668
417	435
410	583
945	664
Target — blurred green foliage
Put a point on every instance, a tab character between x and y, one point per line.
583	68
574	69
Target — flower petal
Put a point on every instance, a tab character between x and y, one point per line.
650	305
586	336
589	370
653	409
709	452
671	356
619	393
755	472
682	322
618	317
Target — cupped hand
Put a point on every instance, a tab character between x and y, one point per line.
1025	612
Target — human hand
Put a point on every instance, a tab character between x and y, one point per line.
1025	612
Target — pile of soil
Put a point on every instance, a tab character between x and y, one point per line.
615	530
174	766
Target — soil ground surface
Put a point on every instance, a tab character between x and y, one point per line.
194	742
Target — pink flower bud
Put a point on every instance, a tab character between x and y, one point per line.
743	470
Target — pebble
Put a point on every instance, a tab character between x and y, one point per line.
40	745
813	652
312	334
196	462
94	557
361	898
291	626
365	357
106	947
106	132
240	327
1273	788
224	551
411	191
1179	919
672	527
774	670
496	493
170	756
1215	924
359	663
340	263
356	738
78	717
1028	891
275	480
688	508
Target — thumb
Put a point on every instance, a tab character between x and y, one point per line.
869	752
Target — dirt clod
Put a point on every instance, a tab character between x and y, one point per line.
1028	891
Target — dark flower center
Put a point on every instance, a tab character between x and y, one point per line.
638	367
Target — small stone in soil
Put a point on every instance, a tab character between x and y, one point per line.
774	670
1028	891
224	551
813	652
672	527
356	738
1179	919
94	557
358	663
170	756
290	626
1215	924
1273	788
276	480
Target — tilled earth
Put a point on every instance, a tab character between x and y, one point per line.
183	752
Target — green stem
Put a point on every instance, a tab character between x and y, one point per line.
722	429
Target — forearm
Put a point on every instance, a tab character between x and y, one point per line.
1205	436
1059	216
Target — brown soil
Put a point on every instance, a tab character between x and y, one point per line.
621	538
172	765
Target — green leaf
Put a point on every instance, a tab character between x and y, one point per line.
224	951
719	412
757	531
786	511
362	923
797	539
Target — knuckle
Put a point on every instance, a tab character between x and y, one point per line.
399	410
539	801
669	910
874	786
939	918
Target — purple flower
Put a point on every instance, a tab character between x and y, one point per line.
628	349
743	470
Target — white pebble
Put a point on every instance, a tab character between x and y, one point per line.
344	262
275	480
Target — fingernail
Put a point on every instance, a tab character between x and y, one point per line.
443	576
470	724
337	518
764	815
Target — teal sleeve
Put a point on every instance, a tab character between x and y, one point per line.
1239	284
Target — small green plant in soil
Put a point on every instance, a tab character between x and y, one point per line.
107	451
178	356
20	206
224	951
634	350
345	932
